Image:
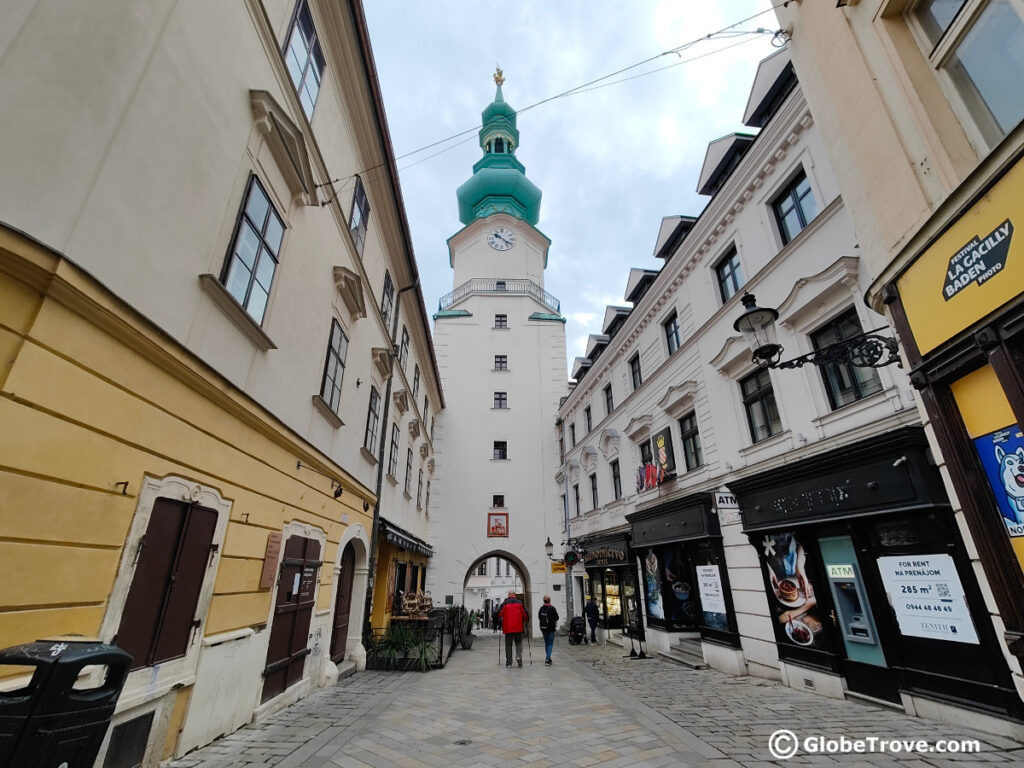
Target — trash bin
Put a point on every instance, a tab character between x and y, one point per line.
55	721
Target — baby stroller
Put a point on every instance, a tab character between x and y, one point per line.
577	630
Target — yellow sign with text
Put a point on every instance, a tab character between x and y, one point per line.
557	566
975	267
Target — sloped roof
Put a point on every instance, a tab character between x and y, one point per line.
775	76
639	281
613	318
722	157
671	232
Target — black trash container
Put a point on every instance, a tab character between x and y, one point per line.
50	723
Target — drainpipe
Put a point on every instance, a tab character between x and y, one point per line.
374	534
569	607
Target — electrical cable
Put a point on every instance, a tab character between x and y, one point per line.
590	85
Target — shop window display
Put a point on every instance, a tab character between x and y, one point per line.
794	598
672	601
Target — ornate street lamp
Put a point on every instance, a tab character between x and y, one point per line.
865	350
549	548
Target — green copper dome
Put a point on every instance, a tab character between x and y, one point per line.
499	183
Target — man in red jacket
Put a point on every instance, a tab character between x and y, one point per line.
513	621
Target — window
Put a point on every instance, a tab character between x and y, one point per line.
173	555
426	410
501	400
587	418
498	500
508	568
415	382
691	441
499	145
572	434
359	216
759	401
730	275
501	321
482	570
252	260
970	41
593	491
387	300
403	351
426	498
393	456
408	471
334	368
646	454
304	58
501	362
499	285
372	414
634	371
576	495
609	401
419	490
844	383
500	449
616	479
671	327
794	208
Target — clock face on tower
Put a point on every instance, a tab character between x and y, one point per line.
501	238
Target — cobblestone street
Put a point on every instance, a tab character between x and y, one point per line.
591	708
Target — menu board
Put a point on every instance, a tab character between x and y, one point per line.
927	597
712	598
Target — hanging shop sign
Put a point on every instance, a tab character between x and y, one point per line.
268	577
664	457
557	566
604	556
927	597
974	267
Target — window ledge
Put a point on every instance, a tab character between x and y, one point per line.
769	442
501	409
865	403
325	410
496	328
407	496
367	455
500	370
235	312
391	478
499	459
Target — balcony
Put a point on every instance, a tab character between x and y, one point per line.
480	285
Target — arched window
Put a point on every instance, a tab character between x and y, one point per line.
499	145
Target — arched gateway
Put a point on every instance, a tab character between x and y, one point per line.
500	343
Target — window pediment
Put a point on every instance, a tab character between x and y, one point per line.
833	285
350	288
401	398
414	428
381	359
588	458
287	145
733	357
679	399
608	443
639	427
424	450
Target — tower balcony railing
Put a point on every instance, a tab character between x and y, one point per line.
482	285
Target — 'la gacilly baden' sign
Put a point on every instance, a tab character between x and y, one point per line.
979	260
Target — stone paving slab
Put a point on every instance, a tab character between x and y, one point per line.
592	708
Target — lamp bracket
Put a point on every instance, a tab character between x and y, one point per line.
867	350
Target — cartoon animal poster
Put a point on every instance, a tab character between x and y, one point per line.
1002	456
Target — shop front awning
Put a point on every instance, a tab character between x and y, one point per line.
403	539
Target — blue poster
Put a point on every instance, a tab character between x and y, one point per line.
1002	456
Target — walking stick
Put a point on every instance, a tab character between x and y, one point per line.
499	650
529	647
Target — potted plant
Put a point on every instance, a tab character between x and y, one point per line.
467	634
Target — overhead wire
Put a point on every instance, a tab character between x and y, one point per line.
591	85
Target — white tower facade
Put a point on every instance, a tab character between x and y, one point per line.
500	344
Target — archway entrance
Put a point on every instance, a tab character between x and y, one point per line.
489	580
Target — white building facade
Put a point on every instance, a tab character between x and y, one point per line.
760	519
500	341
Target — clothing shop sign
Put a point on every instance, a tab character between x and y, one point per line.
927	597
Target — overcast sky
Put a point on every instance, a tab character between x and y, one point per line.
610	162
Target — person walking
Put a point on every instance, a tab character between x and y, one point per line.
548	622
592	612
513	618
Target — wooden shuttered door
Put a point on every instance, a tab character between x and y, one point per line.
159	615
293	611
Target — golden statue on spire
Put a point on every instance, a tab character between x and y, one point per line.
499	78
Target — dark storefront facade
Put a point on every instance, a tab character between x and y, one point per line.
868	578
611	581
685	582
